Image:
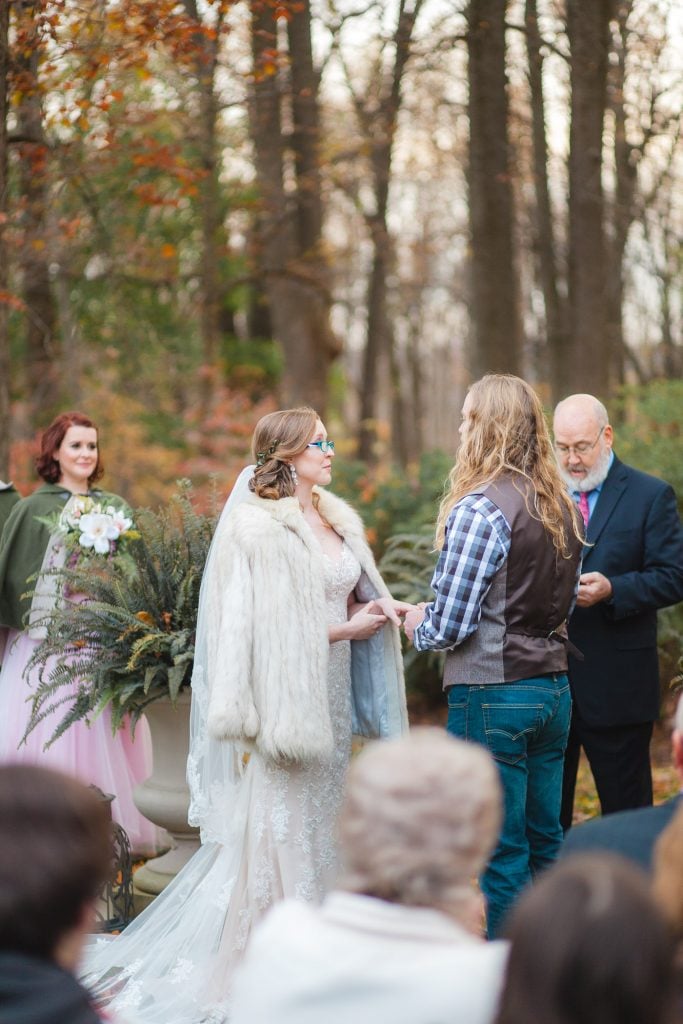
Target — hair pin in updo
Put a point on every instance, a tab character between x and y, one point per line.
261	457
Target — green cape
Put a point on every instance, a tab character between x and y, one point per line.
23	544
9	496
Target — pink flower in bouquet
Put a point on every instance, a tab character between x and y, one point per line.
121	522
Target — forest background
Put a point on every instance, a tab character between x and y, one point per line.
211	208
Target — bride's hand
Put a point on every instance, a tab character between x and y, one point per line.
364	623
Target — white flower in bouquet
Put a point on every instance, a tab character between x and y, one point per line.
121	522
98	531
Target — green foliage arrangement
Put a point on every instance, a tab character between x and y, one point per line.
127	639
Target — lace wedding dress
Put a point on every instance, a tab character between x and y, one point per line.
173	964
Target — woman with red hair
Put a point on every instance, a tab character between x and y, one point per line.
70	466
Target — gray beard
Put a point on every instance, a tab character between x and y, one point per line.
593	478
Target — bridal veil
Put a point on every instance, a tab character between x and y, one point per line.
164	968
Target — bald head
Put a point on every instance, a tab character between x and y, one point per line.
578	411
583	441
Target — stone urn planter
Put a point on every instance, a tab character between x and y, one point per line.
164	797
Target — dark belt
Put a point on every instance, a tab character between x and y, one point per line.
552	635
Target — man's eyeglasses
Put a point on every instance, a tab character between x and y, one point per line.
324	446
582	448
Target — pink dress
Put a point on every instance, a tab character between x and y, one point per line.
90	752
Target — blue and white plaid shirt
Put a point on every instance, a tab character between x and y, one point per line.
476	544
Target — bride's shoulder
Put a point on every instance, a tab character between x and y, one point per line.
339	514
254	518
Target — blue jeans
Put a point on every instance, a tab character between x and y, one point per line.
524	725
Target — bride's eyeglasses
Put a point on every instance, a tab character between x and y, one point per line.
324	446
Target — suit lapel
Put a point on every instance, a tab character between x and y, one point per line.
610	495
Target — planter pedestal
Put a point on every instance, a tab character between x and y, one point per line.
164	797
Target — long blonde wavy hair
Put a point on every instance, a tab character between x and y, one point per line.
507	434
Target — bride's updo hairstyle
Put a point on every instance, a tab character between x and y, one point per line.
279	437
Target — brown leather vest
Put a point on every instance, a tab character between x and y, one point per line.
522	631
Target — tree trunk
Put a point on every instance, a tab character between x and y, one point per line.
290	247
377	344
547	262
672	361
624	206
213	240
4	270
379	360
495	314
416	443
667	358
71	342
305	137
209	201
42	356
259	323
588	32
400	420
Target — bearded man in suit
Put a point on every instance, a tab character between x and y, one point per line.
632	566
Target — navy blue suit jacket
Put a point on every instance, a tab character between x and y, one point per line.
637	542
633	834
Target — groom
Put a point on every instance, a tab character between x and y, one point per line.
503	587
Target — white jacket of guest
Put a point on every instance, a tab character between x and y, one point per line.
268	635
360	960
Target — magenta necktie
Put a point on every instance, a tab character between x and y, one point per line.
583	508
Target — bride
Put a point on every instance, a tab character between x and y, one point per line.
297	648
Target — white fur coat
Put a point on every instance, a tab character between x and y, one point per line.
268	635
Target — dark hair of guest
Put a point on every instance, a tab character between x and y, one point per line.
55	854
589	946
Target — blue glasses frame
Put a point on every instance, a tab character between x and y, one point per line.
324	446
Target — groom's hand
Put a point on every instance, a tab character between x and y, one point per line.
413	619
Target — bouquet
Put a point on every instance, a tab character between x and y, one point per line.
130	639
88	527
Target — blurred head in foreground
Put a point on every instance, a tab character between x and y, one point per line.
420	817
589	946
55	854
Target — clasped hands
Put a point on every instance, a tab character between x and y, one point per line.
593	588
367	619
372	616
